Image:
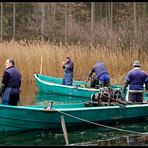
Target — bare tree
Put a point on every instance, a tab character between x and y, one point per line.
43	21
135	23
54	18
14	21
135	18
111	15
1	21
92	20
54	13
65	22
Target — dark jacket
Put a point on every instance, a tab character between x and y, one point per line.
68	67
12	78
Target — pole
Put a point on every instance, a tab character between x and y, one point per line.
64	130
41	65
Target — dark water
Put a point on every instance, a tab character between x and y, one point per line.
99	136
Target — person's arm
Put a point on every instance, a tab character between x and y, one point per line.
63	64
4	82
20	81
125	85
90	73
146	87
146	84
6	78
126	82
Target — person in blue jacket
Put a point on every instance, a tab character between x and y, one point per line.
11	84
135	79
102	74
68	67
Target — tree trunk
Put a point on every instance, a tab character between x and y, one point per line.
65	22
43	21
135	18
54	19
14	21
92	21
111	15
135	24
1	22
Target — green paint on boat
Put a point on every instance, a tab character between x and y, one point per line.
49	84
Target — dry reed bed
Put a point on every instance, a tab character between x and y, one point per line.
28	59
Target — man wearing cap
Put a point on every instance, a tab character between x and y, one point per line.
135	79
102	74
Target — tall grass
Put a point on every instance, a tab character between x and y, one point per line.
27	58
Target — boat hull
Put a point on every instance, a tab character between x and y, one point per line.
13	118
49	84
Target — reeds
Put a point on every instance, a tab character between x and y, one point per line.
28	56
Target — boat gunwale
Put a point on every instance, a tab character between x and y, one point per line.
100	107
46	108
55	84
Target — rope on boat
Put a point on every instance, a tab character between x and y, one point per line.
123	130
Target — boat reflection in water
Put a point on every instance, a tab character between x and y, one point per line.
46	98
85	137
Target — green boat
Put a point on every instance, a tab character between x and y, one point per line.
20	118
48	84
45	98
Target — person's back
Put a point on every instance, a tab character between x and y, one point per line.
15	77
100	68
136	78
102	74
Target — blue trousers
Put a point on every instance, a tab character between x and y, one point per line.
68	78
104	80
135	97
6	96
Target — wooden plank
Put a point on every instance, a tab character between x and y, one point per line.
64	130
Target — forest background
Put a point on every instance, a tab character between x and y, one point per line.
39	35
